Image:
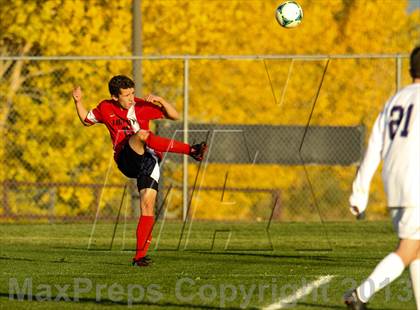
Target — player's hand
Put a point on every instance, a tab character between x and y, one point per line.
355	210
154	99
359	215
77	94
168	109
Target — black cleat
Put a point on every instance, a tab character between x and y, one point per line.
198	150
353	302
142	262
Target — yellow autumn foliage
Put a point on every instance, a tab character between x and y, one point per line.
43	140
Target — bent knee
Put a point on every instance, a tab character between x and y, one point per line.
408	250
136	144
142	135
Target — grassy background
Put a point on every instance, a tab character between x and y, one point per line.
56	254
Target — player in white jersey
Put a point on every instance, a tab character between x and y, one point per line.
395	139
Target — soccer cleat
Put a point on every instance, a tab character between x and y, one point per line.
353	302
142	262
198	150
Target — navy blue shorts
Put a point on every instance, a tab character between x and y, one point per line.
140	167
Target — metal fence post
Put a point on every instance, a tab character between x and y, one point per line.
137	46
5	198
14	200
185	128
398	68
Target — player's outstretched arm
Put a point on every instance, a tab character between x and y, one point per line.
81	110
169	109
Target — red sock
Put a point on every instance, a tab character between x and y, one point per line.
144	235
161	144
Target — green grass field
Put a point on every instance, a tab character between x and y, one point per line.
202	274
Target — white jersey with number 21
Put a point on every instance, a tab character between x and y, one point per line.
395	139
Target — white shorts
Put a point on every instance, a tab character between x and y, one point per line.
406	222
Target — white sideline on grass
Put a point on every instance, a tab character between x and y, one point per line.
303	291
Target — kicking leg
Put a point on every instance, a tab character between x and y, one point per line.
161	144
137	141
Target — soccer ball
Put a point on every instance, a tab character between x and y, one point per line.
289	14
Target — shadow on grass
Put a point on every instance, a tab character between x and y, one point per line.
109	302
309	305
264	255
56	261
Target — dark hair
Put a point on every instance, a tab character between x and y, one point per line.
415	63
119	82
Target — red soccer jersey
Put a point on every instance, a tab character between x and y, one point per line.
122	123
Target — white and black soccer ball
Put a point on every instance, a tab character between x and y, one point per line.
289	14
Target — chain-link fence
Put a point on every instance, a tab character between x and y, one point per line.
285	138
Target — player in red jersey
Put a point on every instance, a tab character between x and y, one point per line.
137	151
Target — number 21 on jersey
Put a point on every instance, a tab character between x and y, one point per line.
398	114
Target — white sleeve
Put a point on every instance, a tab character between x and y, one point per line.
370	162
94	116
